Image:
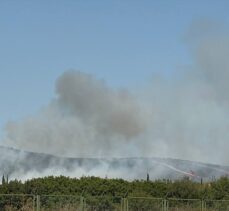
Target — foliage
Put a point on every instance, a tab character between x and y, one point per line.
61	193
95	186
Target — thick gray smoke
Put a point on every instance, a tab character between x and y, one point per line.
86	119
185	116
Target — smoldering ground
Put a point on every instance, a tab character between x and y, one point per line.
26	165
183	116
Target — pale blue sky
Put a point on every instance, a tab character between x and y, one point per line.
123	42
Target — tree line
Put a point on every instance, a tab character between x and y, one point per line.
95	186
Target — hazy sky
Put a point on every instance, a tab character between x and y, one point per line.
123	42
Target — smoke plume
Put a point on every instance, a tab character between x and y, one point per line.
86	118
183	116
